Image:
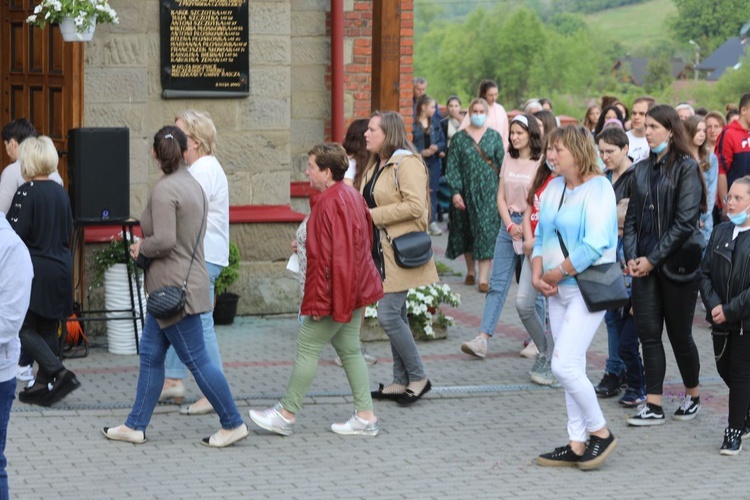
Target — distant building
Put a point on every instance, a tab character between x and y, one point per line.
728	56
634	69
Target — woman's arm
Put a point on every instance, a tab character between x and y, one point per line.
164	216
599	219
629	236
709	296
528	235
439	138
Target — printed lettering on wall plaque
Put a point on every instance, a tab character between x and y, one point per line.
204	48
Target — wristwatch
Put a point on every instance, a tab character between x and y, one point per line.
563	271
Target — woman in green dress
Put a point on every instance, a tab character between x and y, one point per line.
473	173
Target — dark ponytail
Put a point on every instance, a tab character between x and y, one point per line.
170	143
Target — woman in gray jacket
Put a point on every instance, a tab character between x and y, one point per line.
173	225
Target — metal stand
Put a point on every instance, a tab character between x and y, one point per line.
133	275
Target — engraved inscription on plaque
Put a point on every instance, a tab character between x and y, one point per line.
204	48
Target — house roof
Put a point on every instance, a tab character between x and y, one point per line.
728	55
639	68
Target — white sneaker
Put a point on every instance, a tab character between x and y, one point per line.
272	420
476	347
355	426
434	229
25	373
530	351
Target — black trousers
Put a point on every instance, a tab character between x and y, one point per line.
733	364
657	301
39	340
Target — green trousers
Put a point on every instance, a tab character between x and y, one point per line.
345	339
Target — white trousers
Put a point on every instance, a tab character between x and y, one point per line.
573	328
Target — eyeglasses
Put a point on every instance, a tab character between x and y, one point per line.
736	199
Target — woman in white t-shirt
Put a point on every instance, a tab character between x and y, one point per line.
356	150
516	176
205	168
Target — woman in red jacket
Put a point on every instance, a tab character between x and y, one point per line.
341	278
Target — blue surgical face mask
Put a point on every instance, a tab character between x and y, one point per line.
739	218
661	147
550	166
478	120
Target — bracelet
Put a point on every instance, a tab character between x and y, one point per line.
564	273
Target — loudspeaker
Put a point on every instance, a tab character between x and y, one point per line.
99	166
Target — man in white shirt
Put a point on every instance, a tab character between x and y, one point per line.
14	133
638	148
16	273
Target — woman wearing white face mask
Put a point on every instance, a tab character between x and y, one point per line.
473	174
725	289
663	246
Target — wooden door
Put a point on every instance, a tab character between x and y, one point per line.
42	77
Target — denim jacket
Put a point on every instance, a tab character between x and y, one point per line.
437	137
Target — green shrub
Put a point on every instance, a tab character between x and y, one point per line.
230	273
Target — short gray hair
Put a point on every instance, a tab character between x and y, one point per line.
418	80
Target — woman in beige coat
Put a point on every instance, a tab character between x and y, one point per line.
395	187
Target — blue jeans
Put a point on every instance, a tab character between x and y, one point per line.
503	269
630	352
614	320
175	367
187	339
7	395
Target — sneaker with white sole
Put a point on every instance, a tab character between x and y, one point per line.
272	420
25	373
356	426
538	365
434	229
529	351
688	408
648	414
476	347
545	377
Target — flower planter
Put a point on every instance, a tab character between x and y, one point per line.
372	332
120	335
70	33
225	308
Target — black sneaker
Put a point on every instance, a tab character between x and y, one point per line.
561	457
732	442
688	408
597	451
610	386
649	414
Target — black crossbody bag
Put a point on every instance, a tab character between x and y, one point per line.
169	301
602	287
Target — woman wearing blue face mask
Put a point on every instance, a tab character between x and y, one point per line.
473	174
663	245
725	289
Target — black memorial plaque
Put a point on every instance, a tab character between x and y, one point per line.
204	48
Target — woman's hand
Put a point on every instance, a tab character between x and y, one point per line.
516	231
135	249
717	315
528	247
442	154
426	153
315	318
552	277
640	267
458	202
294	246
543	287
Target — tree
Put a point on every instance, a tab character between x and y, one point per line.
707	22
658	74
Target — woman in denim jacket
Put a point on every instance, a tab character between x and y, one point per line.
430	142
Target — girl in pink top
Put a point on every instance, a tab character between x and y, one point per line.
497	118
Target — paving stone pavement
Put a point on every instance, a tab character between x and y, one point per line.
474	436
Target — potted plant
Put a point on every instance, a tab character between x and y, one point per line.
426	317
77	18
111	267
225	308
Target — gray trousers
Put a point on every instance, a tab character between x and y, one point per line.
407	365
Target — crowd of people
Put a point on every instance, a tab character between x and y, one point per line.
662	191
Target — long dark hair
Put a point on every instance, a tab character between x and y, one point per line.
170	144
423	100
535	137
600	123
484	86
356	148
679	142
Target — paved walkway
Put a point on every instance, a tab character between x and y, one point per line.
474	436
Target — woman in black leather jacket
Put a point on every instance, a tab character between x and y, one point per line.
663	245
725	289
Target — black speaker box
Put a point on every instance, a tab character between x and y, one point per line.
99	167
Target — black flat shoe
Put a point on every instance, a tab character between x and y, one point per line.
63	385
409	397
35	394
381	396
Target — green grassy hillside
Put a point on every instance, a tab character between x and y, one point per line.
635	25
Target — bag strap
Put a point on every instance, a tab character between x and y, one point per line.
484	157
197	240
562	243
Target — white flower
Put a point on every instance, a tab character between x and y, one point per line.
31	18
37	10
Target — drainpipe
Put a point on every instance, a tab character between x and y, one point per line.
337	70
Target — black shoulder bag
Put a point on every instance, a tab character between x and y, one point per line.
168	301
602	287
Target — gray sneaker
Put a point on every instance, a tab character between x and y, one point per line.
539	363
272	420
355	426
434	229
476	347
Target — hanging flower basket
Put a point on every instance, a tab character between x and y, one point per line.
77	18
